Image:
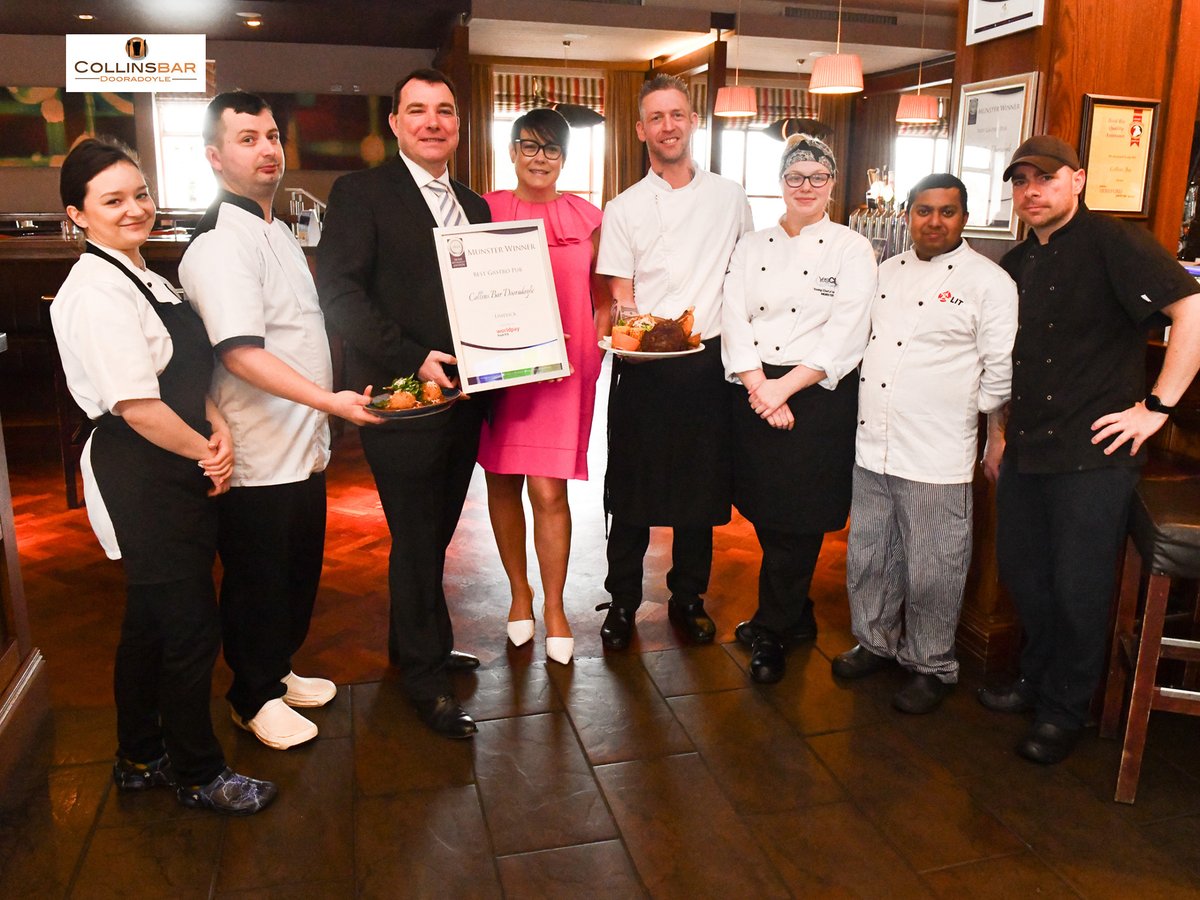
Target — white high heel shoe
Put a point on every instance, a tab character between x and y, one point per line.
520	632
560	649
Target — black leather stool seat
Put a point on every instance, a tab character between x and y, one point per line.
1165	525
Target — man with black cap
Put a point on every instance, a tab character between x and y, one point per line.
1090	286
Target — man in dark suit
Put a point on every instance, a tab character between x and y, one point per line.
380	287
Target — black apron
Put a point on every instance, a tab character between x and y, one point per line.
669	448
796	481
166	526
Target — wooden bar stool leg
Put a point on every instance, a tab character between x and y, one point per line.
1123	624
1142	697
1191	671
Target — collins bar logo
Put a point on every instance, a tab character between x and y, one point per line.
135	48
123	62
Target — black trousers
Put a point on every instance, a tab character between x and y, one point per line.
691	562
170	638
422	469
271	540
1058	540
784	577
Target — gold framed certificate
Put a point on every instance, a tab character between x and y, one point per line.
1117	150
502	304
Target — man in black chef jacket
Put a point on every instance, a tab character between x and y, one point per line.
1090	286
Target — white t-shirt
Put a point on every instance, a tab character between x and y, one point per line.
250	283
113	347
799	300
675	244
940	353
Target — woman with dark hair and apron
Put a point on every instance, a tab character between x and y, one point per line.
795	323
138	362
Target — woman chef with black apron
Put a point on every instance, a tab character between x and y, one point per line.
138	362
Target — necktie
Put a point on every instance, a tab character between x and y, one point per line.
448	210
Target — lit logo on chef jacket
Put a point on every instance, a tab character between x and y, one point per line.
458	254
947	297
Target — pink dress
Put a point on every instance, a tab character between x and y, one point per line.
543	428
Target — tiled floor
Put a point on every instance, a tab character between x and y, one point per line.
661	771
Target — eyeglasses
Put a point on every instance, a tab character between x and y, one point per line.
531	148
817	179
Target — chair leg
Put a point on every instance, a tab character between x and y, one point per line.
1191	671
1123	624
1142	697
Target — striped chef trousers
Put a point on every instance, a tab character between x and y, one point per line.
906	564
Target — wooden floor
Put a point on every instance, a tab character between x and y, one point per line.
661	771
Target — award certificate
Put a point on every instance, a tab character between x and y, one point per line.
502	304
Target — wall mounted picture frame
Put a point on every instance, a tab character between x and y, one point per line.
1117	141
994	117
990	19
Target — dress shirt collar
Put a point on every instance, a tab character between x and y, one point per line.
422	177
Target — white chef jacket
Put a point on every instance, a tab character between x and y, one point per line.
250	283
803	300
675	244
113	347
940	353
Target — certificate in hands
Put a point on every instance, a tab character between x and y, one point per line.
502	304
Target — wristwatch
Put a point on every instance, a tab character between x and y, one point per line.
1155	405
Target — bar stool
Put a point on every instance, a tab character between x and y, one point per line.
1164	538
73	426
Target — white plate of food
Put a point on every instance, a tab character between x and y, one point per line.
606	344
407	398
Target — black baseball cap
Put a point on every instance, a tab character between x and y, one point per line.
1045	153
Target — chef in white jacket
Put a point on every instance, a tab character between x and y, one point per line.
942	330
795	321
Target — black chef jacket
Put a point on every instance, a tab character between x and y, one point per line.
1087	299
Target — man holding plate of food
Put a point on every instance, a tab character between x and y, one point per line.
669	462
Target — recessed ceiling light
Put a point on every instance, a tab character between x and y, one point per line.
85	17
251	19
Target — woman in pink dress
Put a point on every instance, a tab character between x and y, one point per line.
538	433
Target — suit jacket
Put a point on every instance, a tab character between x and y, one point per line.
377	273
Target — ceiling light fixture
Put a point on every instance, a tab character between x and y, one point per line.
251	19
576	114
839	73
736	100
85	17
918	108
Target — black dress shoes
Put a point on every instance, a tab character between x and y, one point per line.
859	663
921	694
446	717
461	662
617	629
768	661
690	617
1017	697
803	631
1047	743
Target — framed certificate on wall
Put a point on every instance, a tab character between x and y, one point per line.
1116	146
988	19
502	304
994	117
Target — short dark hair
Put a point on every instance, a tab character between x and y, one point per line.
935	182
87	160
429	76
239	102
663	83
545	124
